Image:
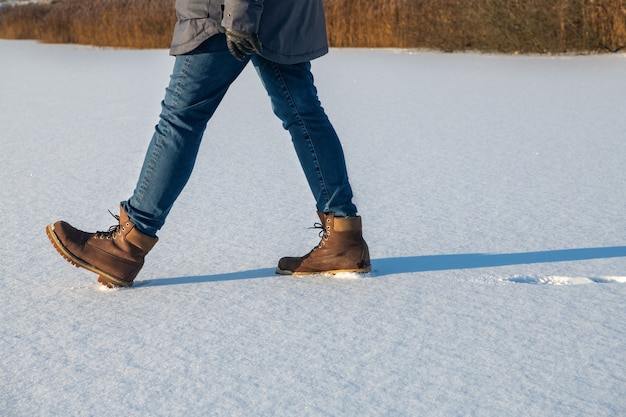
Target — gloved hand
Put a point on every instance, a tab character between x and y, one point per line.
242	43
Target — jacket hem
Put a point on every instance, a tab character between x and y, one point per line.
293	59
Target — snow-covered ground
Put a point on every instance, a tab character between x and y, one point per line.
492	195
19	2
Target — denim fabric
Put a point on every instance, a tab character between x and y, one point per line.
198	83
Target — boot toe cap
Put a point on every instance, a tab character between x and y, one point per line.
69	235
288	265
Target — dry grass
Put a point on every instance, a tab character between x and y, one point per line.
527	26
488	25
119	23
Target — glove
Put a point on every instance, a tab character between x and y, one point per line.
242	43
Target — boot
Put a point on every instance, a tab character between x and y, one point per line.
115	255
342	249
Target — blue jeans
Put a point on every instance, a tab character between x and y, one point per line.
198	83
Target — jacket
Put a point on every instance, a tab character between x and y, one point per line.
290	31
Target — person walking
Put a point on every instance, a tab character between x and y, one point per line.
212	43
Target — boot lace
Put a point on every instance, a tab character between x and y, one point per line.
323	233
113	231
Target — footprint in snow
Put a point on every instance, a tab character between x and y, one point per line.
563	280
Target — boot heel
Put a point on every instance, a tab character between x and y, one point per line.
111	283
102	280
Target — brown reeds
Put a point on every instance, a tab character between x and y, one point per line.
116	23
525	26
536	26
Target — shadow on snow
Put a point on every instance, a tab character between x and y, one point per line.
409	264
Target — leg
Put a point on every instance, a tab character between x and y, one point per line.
294	100
198	84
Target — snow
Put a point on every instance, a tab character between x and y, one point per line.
21	2
492	194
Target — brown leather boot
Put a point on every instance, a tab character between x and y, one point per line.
115	255
342	249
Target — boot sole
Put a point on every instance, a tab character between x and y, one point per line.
104	278
331	272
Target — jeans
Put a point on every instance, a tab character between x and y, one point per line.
198	83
